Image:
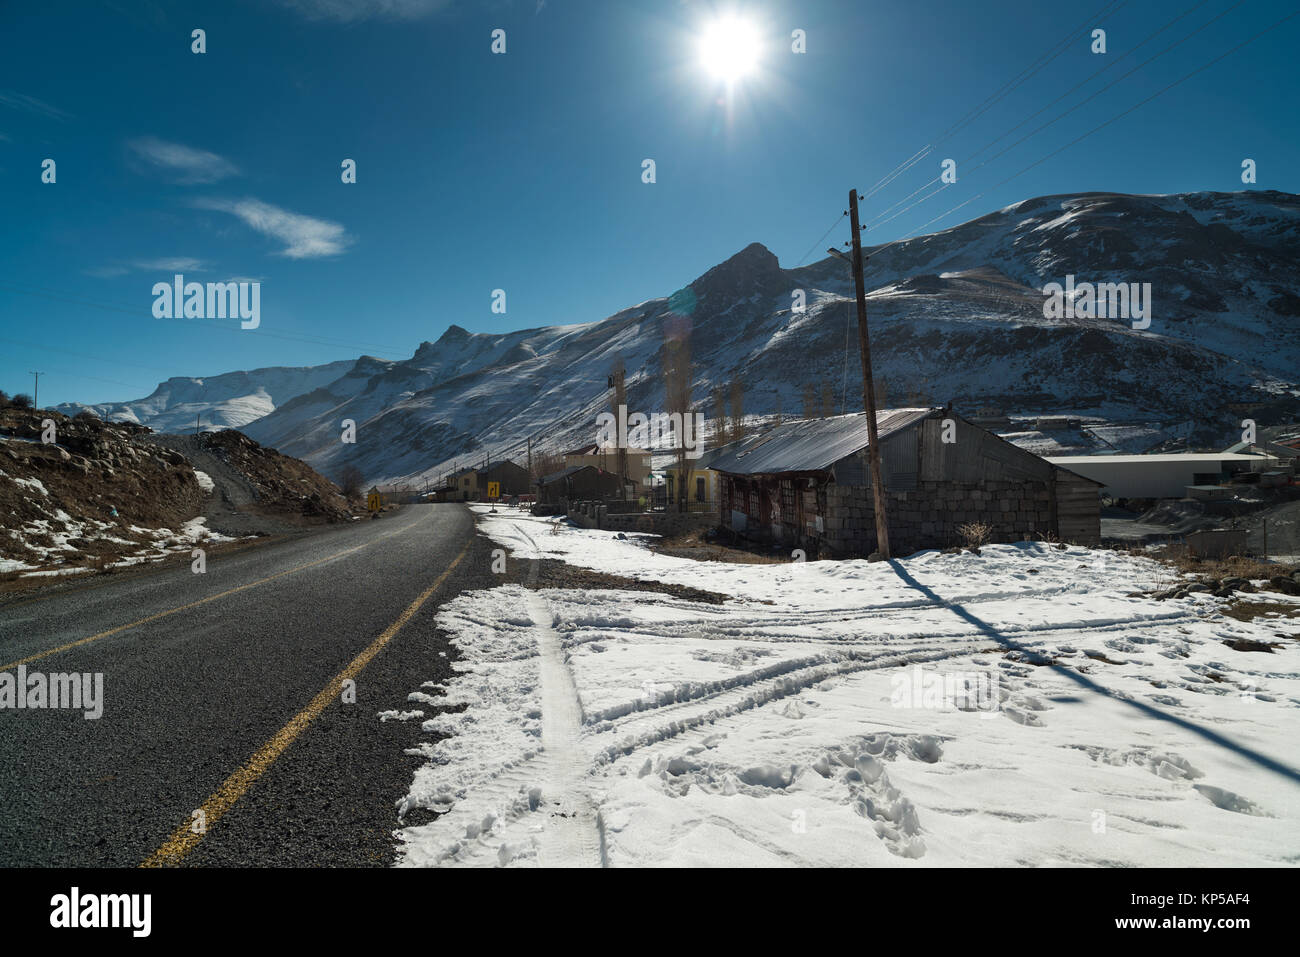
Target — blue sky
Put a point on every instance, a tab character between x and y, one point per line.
523	171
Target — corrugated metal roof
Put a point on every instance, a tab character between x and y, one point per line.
565	473
1159	457
810	445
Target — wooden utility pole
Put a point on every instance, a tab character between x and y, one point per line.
868	384
617	382
36	390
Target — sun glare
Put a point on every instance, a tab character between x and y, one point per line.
729	49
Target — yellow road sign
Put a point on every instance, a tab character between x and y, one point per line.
374	502
494	489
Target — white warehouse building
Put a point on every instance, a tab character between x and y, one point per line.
1160	476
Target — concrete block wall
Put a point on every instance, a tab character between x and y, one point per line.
594	515
928	516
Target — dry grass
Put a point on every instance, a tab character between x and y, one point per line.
1250	610
1233	566
692	545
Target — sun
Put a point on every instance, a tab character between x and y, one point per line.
729	49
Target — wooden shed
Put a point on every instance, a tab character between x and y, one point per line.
577	483
512	478
807	484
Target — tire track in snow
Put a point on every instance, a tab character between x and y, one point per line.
640	724
571	833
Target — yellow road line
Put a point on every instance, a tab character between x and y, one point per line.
184	839
196	604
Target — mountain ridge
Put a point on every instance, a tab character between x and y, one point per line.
954	315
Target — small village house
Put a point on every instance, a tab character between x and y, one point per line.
512	479
606	458
807	484
576	483
471	484
701	481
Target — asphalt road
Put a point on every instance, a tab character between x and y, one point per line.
222	694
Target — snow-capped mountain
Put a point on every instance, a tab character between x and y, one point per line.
231	400
955	315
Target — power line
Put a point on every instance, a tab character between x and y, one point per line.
84	355
992	99
1110	65
1200	69
9	285
971	115
1104	12
822	240
1060	116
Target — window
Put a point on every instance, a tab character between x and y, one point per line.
699	489
787	501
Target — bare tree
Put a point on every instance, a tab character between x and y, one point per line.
21	401
809	401
828	399
350	481
677	394
917	392
719	400
737	409
546	464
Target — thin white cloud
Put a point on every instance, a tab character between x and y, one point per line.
107	272
29	104
188	164
349	11
163	264
304	237
170	264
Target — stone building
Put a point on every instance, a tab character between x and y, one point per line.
576	483
807	484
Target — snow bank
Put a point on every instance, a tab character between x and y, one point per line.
811	720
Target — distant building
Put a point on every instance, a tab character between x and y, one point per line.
700	478
471	484
1054	423
460	487
576	483
512	478
606	457
807	484
1167	475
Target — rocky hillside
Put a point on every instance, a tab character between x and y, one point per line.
955	316
103	495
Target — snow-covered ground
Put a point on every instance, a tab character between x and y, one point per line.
1016	708
61	530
